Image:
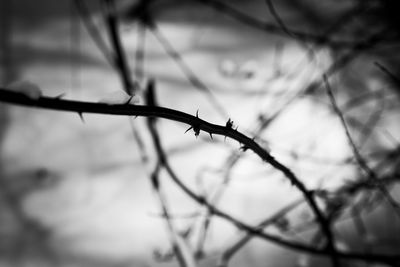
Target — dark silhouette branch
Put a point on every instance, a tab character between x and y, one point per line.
372	176
195	122
174	115
245	238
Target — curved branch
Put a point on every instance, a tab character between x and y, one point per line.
154	111
198	125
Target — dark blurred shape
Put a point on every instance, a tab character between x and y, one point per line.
389	12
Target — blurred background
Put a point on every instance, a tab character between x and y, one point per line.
79	192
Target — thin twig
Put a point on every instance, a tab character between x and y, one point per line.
139	68
278	19
129	85
244	239
180	248
394	78
270	28
94	31
362	163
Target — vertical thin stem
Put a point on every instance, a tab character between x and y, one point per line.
120	56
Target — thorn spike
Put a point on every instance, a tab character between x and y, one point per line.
81	117
59	96
189	129
129	100
229	124
196	131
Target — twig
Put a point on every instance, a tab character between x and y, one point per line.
94	31
180	248
243	240
120	58
278	19
393	77
140	53
371	175
270	28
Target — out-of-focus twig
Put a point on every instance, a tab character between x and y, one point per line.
181	248
121	62
270	28
245	238
93	31
362	163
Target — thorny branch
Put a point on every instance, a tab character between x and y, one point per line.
79	107
195	122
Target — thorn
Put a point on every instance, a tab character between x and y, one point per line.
243	148
59	96
211	136
229	124
197	113
191	127
129	100
196	131
81	116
